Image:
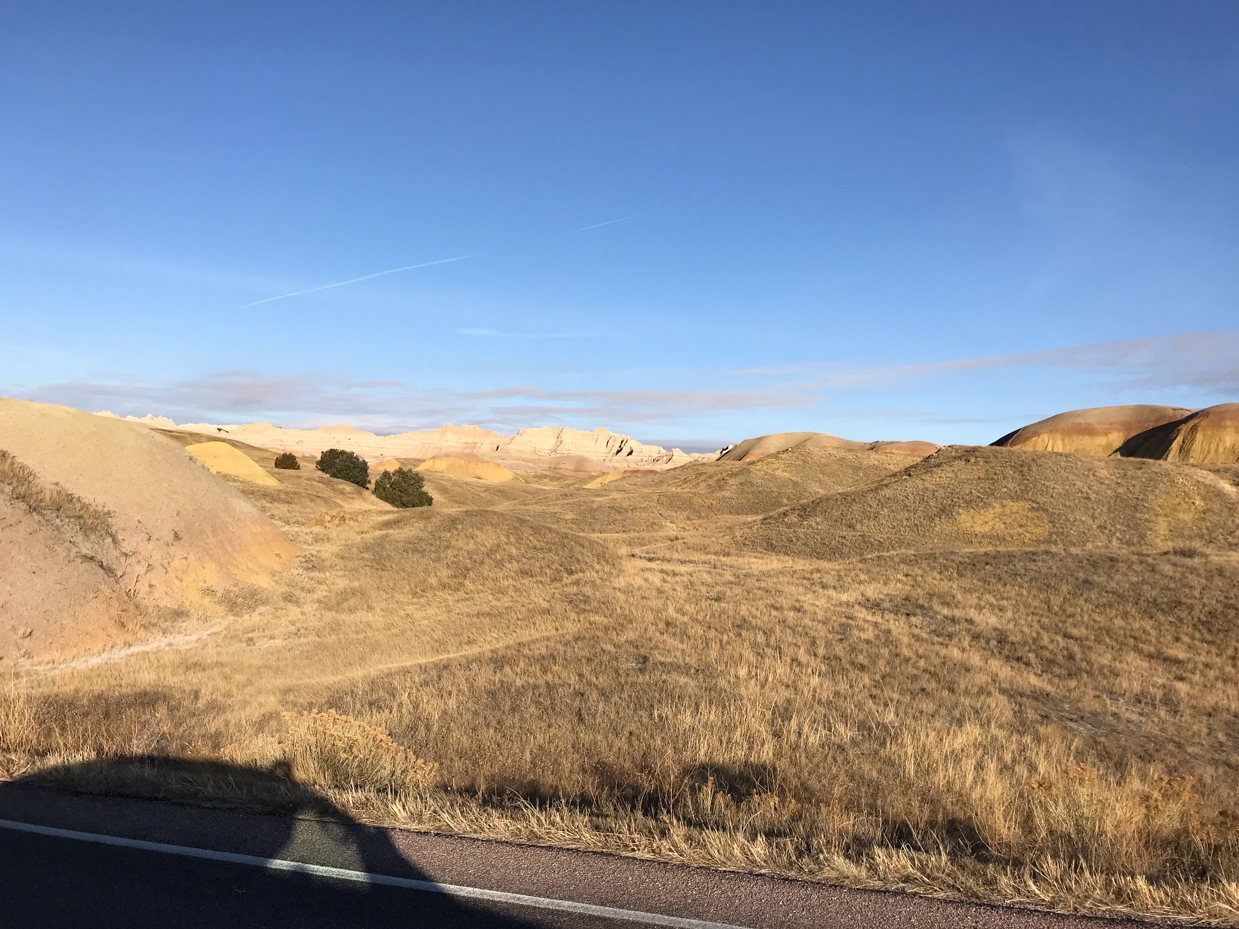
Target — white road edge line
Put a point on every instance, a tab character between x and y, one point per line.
363	877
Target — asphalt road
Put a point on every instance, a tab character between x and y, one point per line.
57	879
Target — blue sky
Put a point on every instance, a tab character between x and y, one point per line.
684	221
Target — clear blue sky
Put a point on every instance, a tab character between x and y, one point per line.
881	220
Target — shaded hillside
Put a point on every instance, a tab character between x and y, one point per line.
1208	436
992	498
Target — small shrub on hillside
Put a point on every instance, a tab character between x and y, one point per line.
402	488
345	465
287	462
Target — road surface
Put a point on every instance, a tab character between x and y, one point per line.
69	860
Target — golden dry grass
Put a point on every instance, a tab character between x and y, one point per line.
1042	723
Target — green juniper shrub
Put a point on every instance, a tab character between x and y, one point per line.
345	465
402	488
287	461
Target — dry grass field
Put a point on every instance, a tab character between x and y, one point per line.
994	674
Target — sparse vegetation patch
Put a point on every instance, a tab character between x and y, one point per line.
344	465
287	461
402	488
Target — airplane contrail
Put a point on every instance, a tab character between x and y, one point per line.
364	277
609	222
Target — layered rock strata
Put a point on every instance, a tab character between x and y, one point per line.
542	447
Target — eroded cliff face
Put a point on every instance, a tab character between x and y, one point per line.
542	447
546	443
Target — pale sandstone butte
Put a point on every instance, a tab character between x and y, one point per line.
460	467
1099	431
542	447
222	458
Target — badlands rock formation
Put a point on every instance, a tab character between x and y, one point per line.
1096	431
1166	433
759	447
105	520
543	447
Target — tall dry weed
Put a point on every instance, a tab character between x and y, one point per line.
18	727
52	501
331	750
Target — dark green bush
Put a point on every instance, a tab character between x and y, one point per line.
345	465
402	488
287	461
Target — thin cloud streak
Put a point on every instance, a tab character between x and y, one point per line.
609	222
494	334
357	280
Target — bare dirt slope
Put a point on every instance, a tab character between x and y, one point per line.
991	498
222	458
153	521
56	597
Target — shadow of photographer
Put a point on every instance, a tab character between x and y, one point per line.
63	882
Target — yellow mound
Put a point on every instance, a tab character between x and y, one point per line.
387	464
151	524
222	458
1208	436
616	475
459	467
1098	431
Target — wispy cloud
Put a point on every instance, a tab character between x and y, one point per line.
390	406
357	280
651	404
1207	360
